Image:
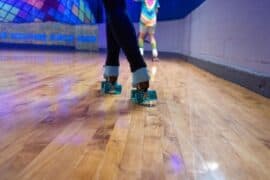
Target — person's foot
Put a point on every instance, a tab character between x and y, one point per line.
155	52
111	79
142	51
143	96
155	58
143	86
110	85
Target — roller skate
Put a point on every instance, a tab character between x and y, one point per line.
142	96
155	59
110	86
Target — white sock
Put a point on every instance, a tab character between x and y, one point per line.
142	51
155	53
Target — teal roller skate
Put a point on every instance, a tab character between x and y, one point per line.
110	86
142	96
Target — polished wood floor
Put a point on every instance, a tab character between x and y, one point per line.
55	124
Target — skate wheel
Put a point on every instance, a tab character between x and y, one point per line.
155	59
146	99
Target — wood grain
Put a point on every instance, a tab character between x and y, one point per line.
55	124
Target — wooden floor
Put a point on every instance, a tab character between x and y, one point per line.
55	124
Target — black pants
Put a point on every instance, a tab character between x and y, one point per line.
121	35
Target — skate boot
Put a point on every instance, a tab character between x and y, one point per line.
155	59
155	55
142	96
110	86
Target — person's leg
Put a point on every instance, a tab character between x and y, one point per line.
125	35
153	42
112	61
141	38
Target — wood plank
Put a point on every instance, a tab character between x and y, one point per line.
54	123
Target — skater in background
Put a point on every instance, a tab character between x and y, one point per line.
148	22
121	35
